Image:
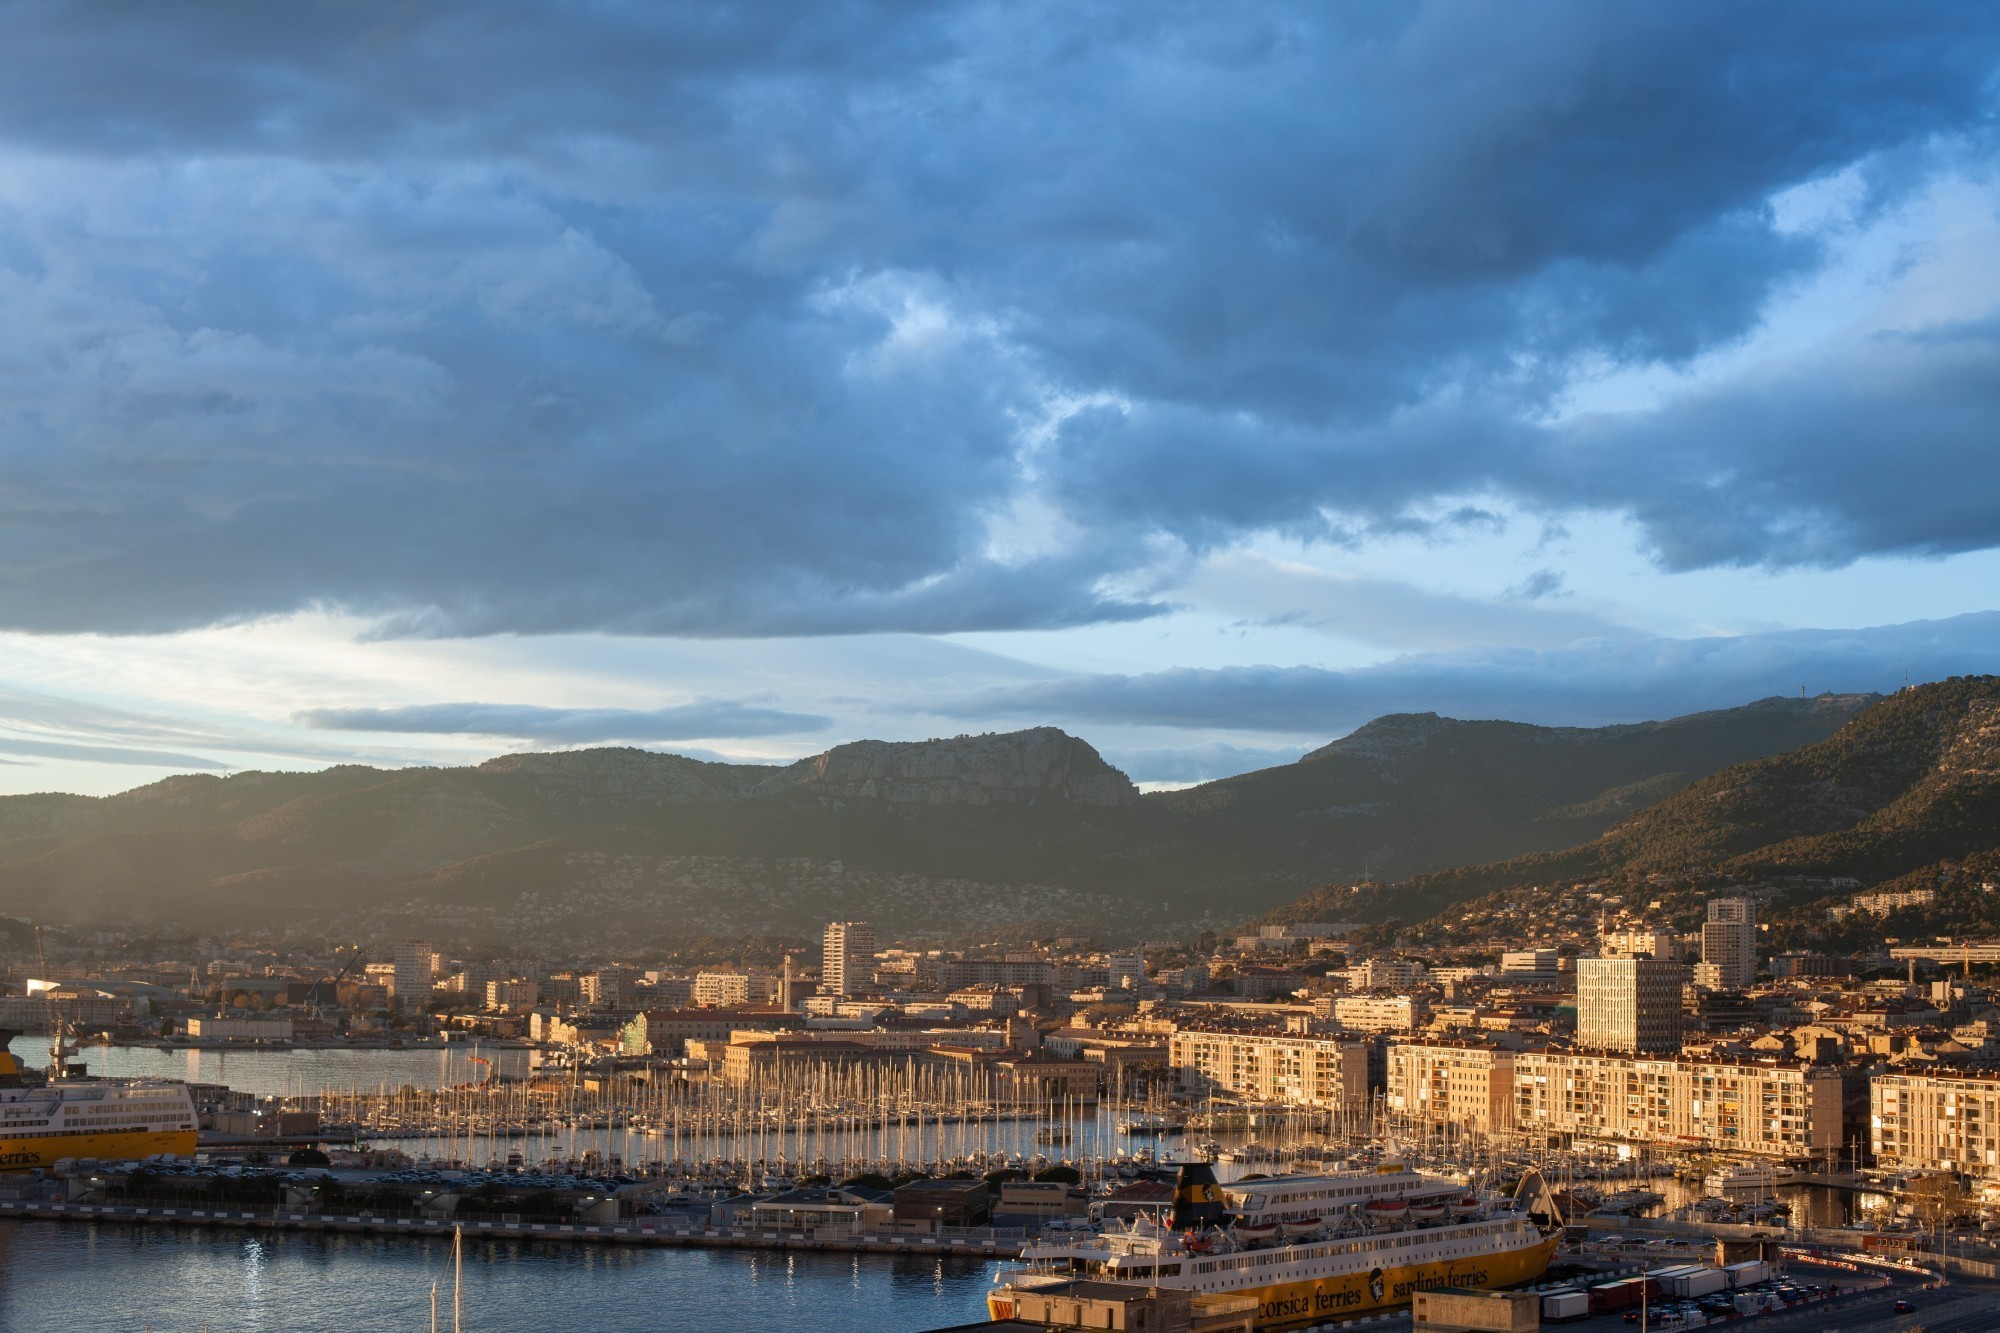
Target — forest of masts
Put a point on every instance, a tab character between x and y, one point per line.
840	1119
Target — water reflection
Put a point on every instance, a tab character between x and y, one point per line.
129	1278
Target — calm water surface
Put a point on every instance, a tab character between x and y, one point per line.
111	1277
292	1073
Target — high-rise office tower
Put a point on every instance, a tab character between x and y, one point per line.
1629	1004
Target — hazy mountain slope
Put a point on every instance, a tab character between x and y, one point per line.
966	833
1413	792
1912	781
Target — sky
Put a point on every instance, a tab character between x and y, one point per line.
406	383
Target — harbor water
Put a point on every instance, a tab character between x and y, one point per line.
106	1276
294	1073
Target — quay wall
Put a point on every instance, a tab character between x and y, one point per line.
639	1231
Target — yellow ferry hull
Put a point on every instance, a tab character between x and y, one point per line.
1346	1295
109	1146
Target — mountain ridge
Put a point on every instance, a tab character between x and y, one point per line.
1902	790
1002	828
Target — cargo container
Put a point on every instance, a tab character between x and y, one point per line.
1691	1282
1625	1294
1452	1308
1559	1307
1748	1273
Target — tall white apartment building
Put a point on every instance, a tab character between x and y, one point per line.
1326	1072
1465	1086
1729	943
1629	1004
415	964
847	959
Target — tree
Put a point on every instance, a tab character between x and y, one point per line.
1939	1200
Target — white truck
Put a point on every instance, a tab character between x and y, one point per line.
1755	1302
1694	1281
1560	1307
1748	1273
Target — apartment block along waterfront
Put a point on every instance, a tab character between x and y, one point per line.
1467	1086
1327	1072
1936	1122
1779	1109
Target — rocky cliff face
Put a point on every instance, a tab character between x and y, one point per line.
1043	765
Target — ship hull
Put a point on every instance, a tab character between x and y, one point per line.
25	1154
1283	1305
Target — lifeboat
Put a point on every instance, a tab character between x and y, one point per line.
1298	1227
1465	1207
1428	1210
1386	1211
1198	1242
1255	1231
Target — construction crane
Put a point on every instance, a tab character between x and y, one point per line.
316	995
59	1051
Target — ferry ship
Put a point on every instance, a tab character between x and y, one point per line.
41	1123
1310	1248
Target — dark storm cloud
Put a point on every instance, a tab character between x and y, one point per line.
713	319
573	726
1584	684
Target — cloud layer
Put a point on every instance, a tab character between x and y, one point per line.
722	718
1590	683
678	319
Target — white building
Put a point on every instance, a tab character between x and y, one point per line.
1463	1086
513	995
1326	1072
847	958
1729	942
1385	973
1640	942
415	973
1629	1004
715	990
1936	1122
1378	1013
1776	1109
